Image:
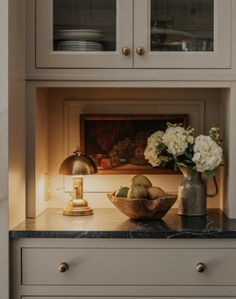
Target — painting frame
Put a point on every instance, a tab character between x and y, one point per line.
86	120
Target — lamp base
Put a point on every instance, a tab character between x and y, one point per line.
77	207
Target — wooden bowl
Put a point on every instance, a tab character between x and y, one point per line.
144	209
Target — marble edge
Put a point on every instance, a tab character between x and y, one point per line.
123	234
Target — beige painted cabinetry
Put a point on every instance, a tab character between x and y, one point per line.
128	268
98	268
74	297
185	34
83	34
208	22
119	297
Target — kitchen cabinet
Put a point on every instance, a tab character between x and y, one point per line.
123	268
122	297
182	34
41	266
84	34
163	34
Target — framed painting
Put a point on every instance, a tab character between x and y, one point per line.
116	143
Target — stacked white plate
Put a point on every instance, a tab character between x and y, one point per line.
79	46
78	40
78	35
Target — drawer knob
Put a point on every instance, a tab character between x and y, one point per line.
201	267
126	51
140	51
63	267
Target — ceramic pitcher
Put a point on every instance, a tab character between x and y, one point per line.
192	193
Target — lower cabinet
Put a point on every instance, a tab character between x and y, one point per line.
123	297
125	268
128	266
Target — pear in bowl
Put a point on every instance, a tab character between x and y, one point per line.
142	208
142	201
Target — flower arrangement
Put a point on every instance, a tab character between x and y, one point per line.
179	144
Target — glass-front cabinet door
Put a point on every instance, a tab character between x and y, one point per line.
84	33
182	33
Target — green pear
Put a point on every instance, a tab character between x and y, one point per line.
155	192
122	192
137	191
141	180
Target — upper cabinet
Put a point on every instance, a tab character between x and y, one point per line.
84	33
186	34
182	33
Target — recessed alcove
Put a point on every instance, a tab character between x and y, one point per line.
53	134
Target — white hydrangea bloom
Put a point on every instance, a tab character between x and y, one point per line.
175	138
207	154
151	152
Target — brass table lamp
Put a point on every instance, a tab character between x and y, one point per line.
77	165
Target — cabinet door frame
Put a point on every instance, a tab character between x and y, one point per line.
47	58
220	58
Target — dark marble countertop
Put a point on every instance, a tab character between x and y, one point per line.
110	223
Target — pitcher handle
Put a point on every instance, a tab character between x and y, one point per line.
216	188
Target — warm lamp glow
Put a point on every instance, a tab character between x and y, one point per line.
77	165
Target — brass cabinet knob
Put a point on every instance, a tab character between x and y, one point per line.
126	51
140	51
63	267
201	267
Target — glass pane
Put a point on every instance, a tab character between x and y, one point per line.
84	25
182	25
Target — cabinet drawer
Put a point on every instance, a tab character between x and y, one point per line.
126	297
128	266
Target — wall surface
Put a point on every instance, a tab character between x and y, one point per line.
16	112
4	280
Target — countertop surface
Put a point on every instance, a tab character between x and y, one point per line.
110	223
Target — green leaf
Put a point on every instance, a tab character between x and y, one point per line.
188	155
209	174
